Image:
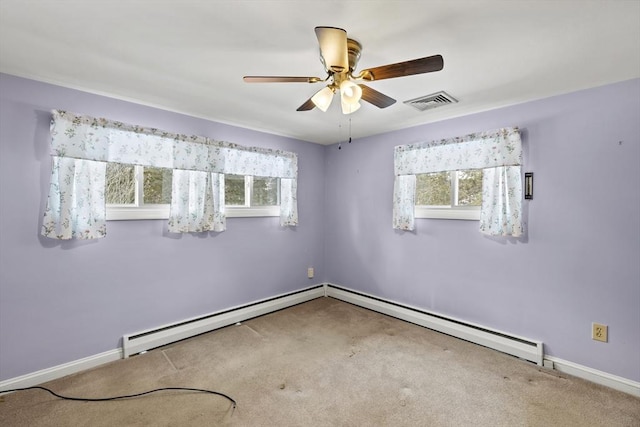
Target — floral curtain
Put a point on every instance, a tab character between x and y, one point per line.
76	200
498	153
288	202
404	203
80	146
197	202
501	211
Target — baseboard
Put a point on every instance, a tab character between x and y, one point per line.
60	371
514	345
594	375
166	334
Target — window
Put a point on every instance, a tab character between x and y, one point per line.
251	196
137	192
497	153
83	146
449	195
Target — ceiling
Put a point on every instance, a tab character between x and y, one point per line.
189	56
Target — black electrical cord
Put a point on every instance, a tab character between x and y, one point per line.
129	396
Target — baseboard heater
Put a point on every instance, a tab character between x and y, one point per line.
163	335
523	348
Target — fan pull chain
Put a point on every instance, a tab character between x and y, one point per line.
340	134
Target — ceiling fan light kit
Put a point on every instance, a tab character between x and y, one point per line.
350	95
349	108
340	55
322	98
350	92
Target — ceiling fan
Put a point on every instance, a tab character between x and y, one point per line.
340	55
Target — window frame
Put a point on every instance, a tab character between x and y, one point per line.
453	210
139	211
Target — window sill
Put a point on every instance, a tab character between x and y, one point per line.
126	213
467	214
129	213
242	212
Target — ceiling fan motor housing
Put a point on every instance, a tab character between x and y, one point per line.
354	49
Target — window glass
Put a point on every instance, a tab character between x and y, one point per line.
234	192
157	185
433	189
449	195
126	198
265	192
120	184
436	189
470	188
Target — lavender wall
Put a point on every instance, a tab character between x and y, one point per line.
579	264
62	301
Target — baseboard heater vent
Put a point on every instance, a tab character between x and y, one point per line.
523	348
163	335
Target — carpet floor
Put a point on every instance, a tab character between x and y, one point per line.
324	363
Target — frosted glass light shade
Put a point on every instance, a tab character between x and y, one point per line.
322	98
349	108
350	92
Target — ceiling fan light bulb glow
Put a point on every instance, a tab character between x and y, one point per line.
322	98
350	92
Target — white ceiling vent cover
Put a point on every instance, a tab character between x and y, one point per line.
434	100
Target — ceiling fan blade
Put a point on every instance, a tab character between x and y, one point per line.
406	68
308	105
333	48
376	98
280	79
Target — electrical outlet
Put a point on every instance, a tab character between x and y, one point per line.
310	272
599	332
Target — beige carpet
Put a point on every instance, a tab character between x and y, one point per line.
325	363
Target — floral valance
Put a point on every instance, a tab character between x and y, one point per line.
89	138
480	150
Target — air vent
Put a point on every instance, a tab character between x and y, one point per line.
434	100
